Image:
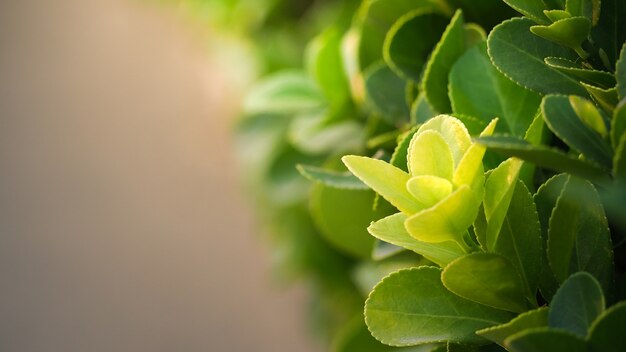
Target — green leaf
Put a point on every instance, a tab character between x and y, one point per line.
383	250
575	70
532	9
520	55
324	63
478	89
545	200
499	189
486	278
400	153
577	303
412	307
584	8
607	333
355	337
384	92
619	161
531	319
342	180
421	111
469	170
588	114
519	239
556	15
569	32
578	236
563	121
342	217
545	339
620	73
429	154
542	156
313	134
385	179
618	123
605	98
448	220
448	50
405	55
391	229
284	93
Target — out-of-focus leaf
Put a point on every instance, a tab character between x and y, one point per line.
330	178
284	93
384	93
405	55
606	332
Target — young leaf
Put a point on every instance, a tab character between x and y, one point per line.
520	55
536	318
478	89
412	306
607	333
578	237
391	229
545	339
563	121
429	154
448	220
342	180
428	189
588	114
532	9
577	303
542	156
469	170
448	50
384	93
405	55
453	132
569	32
486	278
385	179
601	79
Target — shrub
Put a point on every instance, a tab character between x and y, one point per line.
463	168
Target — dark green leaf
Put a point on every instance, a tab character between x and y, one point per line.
385	94
532	319
578	236
532	9
607	332
542	156
601	79
448	50
412	307
520	55
545	200
486	278
577	303
606	98
405	55
618	124
545	339
563	121
478	89
620	73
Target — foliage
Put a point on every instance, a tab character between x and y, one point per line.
460	169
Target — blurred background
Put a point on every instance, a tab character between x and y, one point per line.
122	226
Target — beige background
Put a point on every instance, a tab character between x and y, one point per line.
121	228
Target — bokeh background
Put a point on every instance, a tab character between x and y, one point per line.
122	226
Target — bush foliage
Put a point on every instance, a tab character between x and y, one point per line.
458	166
